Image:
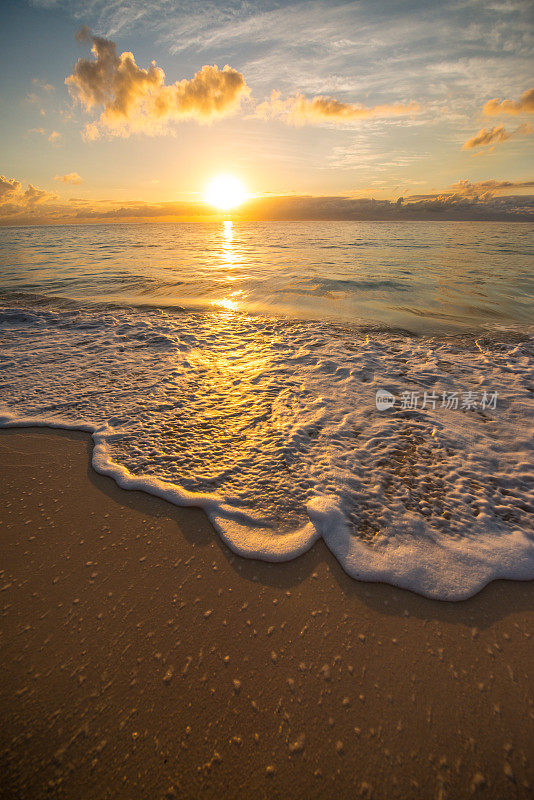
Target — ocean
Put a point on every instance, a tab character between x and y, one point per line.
367	383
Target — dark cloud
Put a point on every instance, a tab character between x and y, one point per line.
146	211
453	205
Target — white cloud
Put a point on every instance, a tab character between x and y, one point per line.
70	177
14	199
525	105
137	99
496	135
301	110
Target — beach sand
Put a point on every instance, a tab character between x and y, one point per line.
142	659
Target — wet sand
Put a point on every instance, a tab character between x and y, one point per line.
142	659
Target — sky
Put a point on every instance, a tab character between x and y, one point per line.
125	109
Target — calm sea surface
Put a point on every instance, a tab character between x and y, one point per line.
418	275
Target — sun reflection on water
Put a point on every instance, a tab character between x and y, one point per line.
228	230
230	258
229	305
231	255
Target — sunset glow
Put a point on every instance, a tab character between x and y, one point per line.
266	399
225	192
284	125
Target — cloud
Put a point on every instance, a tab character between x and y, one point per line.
300	110
487	136
525	105
46	87
449	206
53	136
493	136
487	189
8	187
463	200
70	177
16	200
478	191
141	210
33	196
138	100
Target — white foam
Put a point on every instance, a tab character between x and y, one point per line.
271	427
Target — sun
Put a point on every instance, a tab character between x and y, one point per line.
225	192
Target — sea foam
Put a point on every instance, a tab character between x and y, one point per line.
271	426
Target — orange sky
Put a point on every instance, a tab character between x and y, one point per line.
127	110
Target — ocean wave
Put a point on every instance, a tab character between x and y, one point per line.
271	426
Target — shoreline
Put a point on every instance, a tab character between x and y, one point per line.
143	659
354	561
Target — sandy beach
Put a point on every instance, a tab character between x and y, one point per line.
266	407
142	659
